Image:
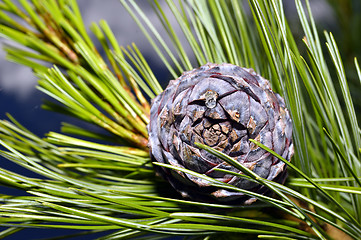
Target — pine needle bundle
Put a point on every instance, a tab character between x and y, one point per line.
104	181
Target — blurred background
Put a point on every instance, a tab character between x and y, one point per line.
20	98
18	93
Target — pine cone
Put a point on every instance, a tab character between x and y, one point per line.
222	106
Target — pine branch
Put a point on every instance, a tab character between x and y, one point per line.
85	85
98	182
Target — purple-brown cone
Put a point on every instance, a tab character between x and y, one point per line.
222	106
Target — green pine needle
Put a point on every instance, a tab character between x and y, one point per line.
105	182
